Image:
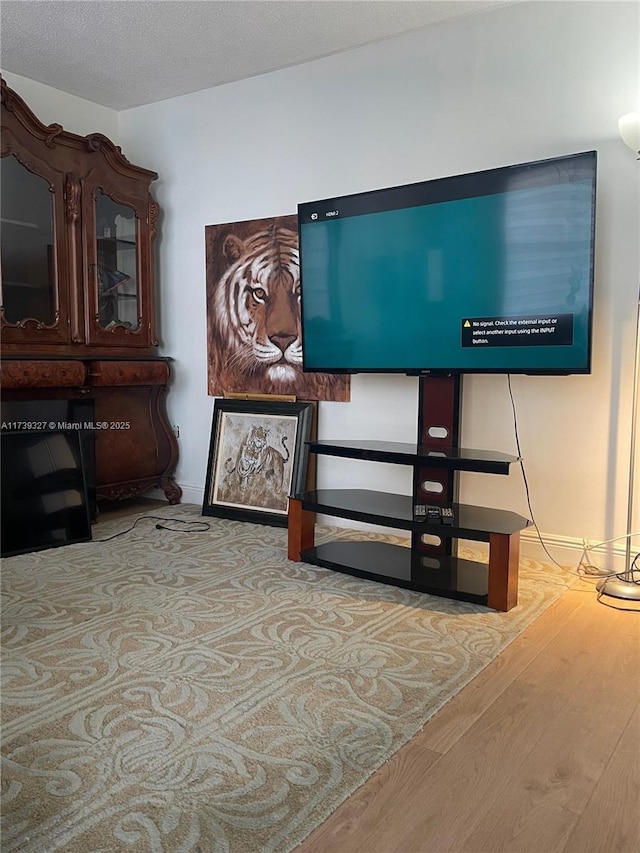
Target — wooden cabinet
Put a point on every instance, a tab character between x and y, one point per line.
78	293
78	232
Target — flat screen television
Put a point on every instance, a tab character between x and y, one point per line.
488	272
44	496
78	413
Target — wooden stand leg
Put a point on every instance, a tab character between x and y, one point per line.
504	557
301	524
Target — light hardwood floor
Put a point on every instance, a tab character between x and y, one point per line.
538	754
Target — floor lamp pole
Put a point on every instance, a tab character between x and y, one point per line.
624	585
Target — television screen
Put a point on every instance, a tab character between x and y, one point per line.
489	272
77	413
44	498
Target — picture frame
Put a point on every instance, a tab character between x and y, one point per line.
258	457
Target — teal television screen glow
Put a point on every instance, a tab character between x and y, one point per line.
490	272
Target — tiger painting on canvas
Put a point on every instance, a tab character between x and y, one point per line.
254	333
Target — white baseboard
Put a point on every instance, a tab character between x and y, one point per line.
569	551
566	550
190	494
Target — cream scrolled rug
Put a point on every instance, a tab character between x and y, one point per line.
172	693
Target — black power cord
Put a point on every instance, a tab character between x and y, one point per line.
186	526
635	567
524	475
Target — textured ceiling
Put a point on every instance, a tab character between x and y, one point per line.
124	53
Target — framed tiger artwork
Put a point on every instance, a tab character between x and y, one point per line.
254	330
257	457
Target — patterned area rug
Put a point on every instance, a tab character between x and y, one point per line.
172	692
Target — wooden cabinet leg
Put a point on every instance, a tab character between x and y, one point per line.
300	525
504	558
172	490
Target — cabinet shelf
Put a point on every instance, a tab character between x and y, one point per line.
118	242
26	285
20	223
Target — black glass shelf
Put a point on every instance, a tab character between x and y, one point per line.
450	577
448	458
125	242
390	510
424	566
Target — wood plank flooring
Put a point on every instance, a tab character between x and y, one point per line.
538	754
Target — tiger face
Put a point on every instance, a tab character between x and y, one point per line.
256	306
256	442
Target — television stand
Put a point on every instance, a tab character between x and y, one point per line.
430	565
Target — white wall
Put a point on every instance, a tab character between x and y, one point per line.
521	83
76	115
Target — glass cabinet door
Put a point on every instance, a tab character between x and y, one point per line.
117	264
119	303
31	254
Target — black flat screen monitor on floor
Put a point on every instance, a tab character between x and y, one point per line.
74	413
488	272
44	497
